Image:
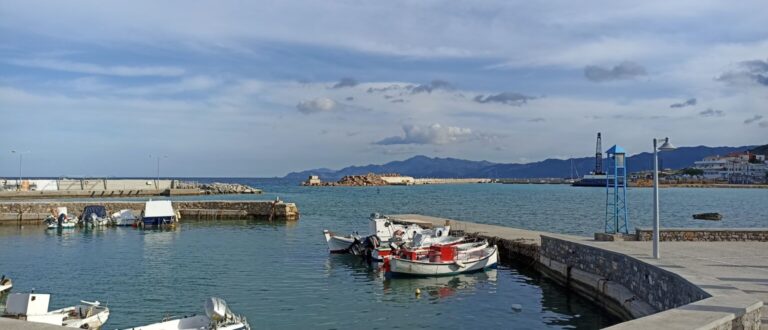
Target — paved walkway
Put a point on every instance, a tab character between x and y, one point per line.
732	272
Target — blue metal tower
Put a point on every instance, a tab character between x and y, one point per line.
616	214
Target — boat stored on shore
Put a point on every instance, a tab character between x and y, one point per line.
217	317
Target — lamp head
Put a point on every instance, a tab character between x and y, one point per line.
667	146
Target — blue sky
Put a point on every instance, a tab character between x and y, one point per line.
248	88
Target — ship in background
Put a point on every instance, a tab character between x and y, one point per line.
597	177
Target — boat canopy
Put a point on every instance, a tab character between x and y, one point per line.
99	210
158	209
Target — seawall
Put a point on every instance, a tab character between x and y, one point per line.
14	213
690	289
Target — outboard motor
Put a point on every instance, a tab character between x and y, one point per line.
61	219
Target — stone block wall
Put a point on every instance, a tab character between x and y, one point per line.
657	287
704	234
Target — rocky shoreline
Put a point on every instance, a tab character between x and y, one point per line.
218	188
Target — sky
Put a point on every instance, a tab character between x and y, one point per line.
252	88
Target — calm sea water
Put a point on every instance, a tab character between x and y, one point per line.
280	275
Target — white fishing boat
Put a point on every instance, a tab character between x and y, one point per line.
380	227
217	317
444	260
33	307
123	217
60	219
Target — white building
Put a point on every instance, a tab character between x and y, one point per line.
741	167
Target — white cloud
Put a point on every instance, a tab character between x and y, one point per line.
124	71
432	134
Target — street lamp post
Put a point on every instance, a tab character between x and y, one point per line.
21	159
664	147
157	180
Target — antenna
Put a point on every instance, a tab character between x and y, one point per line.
599	155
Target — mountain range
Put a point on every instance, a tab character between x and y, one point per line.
428	167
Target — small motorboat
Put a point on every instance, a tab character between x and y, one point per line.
217	317
158	213
337	243
713	216
33	307
60	219
124	217
95	216
382	231
5	285
440	260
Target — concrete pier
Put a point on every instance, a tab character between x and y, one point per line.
695	285
33	212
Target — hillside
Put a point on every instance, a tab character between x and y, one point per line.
426	167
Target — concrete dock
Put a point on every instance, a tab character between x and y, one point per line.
33	212
696	284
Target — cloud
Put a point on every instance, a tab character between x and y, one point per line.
510	98
624	70
350	98
689	102
345	82
712	113
763	124
320	104
388	88
537	120
433	134
750	72
124	71
432	86
753	119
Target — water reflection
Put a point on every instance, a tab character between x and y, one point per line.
439	287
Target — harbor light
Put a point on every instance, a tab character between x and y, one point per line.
664	147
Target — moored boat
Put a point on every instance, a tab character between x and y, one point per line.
5	285
33	307
217	317
123	217
444	260
158	213
60	219
94	216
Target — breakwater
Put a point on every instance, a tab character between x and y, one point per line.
693	287
104	188
32	212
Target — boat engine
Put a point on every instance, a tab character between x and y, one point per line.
365	247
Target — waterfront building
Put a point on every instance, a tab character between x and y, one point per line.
737	167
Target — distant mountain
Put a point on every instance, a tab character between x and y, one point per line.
761	150
426	167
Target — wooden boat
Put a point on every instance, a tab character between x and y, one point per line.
444	260
217	317
33	307
714	216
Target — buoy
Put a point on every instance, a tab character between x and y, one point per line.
418	292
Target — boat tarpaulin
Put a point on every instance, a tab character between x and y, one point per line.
158	209
99	210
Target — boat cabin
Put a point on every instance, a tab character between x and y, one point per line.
158	213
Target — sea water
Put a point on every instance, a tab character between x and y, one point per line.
280	275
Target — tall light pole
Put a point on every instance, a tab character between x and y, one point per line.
157	181
664	147
21	159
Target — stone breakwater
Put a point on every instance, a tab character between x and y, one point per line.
33	212
218	188
103	188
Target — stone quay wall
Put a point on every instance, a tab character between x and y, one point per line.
650	288
32	212
704	234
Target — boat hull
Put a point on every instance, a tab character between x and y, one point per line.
338	244
158	221
399	266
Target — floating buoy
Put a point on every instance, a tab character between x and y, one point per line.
418	292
